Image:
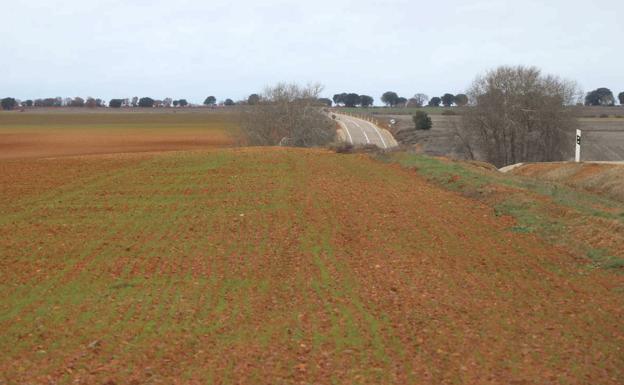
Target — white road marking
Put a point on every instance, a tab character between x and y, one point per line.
379	133
387	142
363	132
344	125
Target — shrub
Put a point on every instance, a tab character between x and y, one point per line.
341	148
349	148
422	121
449	112
604	116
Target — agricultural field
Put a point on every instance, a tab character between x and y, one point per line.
284	266
603	137
48	132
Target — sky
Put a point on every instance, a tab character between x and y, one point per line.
232	48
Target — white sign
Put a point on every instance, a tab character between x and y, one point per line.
578	146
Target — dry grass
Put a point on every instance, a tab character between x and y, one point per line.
607	179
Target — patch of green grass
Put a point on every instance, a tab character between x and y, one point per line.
528	216
602	258
449	174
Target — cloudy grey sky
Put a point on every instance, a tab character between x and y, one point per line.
230	48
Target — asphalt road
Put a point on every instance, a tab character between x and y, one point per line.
359	131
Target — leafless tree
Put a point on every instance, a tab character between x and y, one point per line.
91	102
418	100
290	115
519	115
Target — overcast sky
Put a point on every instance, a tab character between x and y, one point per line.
231	48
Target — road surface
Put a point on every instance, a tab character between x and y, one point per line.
360	131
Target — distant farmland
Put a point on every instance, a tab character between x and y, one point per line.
603	129
48	132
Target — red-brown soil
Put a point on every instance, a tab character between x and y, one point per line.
53	134
275	266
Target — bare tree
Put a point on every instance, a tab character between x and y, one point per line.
520	115
288	114
419	100
91	103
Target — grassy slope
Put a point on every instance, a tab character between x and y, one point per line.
588	224
282	266
604	179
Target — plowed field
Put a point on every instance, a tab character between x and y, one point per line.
57	133
277	266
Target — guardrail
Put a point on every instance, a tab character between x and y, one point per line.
368	118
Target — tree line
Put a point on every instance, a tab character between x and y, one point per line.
392	99
10	103
599	97
603	97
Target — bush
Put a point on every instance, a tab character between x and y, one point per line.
422	121
341	148
449	113
349	148
604	116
